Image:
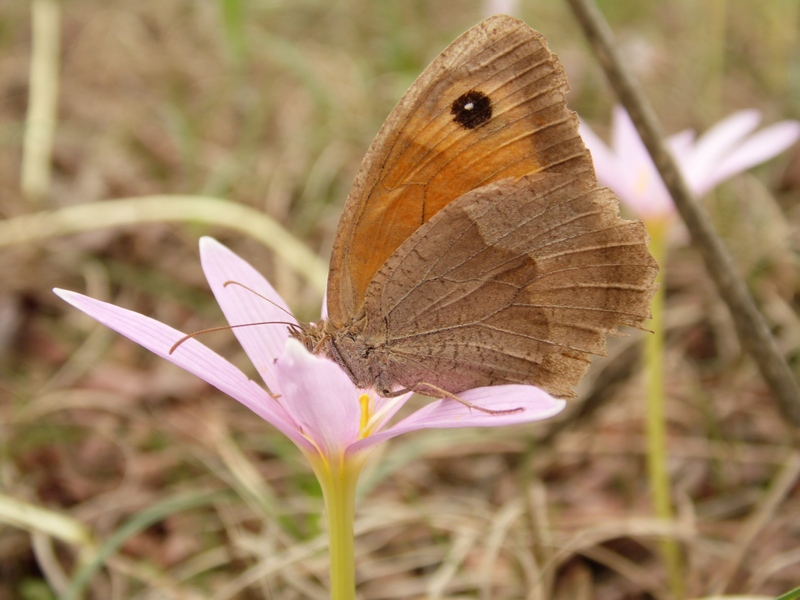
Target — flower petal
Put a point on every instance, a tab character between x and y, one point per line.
608	168
324	313
383	409
320	397
631	159
642	189
625	140
192	356
756	149
714	145
258	304
500	7
447	413
681	143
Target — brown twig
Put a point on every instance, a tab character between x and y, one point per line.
750	324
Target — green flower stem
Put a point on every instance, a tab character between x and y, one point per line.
338	480
656	421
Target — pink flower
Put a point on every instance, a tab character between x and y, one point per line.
312	401
726	149
500	7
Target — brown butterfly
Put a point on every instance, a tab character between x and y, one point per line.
475	247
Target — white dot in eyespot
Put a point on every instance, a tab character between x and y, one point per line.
469	106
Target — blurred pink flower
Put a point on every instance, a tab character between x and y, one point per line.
313	402
726	149
500	7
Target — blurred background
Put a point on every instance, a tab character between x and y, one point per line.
272	104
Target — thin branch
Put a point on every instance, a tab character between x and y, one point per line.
750	324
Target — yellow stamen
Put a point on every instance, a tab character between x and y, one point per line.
363	400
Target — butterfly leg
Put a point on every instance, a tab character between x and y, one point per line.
441	393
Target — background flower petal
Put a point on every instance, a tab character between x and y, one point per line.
714	145
681	143
631	159
625	140
447	414
262	343
191	356
320	397
605	162
632	174
758	148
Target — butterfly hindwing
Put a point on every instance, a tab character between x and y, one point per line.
516	282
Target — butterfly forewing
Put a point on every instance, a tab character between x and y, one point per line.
490	107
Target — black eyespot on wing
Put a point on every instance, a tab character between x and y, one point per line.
472	109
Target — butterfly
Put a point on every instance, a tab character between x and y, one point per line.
475	247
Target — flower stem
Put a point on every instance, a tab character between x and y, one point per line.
656	420
338	480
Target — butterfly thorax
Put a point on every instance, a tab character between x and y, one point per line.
361	357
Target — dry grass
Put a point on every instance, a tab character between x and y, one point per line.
195	497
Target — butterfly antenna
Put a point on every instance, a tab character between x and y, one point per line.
262	296
226	327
